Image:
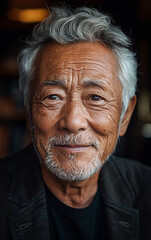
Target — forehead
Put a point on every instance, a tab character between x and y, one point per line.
86	59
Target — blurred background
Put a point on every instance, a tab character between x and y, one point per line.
17	19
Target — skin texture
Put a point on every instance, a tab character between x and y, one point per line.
86	102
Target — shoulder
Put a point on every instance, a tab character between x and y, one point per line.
13	166
10	163
127	178
122	172
131	168
137	175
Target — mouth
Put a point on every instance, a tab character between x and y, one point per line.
73	148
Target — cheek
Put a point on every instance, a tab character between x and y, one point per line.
106	126
44	121
105	122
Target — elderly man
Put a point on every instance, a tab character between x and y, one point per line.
78	79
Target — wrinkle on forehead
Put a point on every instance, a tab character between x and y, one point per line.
77	65
76	62
77	53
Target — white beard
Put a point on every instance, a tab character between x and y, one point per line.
74	171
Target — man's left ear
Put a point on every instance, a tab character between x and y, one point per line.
127	116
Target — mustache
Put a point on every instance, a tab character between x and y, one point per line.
72	140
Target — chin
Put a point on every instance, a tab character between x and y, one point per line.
73	171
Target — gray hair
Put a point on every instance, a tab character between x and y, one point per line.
83	24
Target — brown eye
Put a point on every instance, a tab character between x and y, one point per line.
95	98
53	97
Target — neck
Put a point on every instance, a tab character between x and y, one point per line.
74	194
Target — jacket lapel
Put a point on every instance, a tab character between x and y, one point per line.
29	220
121	222
121	219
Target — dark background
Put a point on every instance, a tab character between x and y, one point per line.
134	17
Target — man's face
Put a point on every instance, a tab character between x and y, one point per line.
76	106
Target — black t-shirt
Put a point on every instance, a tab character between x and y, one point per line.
67	223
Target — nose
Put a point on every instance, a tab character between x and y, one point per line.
73	119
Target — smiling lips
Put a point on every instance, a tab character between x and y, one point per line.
74	148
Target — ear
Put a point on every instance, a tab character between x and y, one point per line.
127	116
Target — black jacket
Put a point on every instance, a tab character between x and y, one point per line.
125	188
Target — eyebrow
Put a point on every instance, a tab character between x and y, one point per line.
58	82
86	83
94	83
